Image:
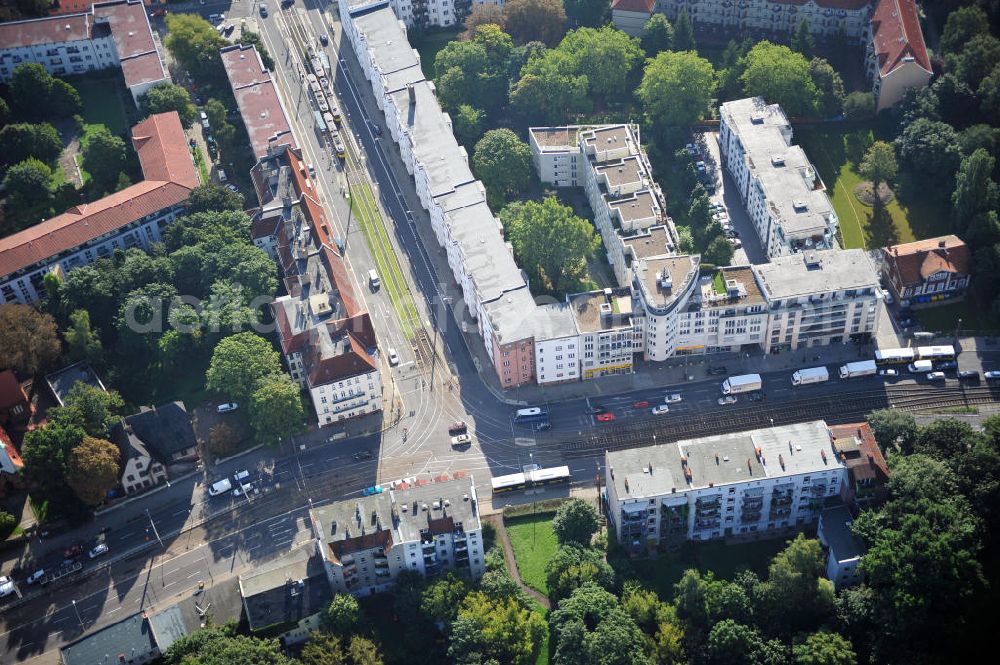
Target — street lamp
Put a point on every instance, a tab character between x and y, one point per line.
78	617
155	532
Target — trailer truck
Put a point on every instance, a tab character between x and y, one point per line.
804	377
743	383
860	368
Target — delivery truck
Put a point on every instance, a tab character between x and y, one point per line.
743	383
860	368
220	487
921	366
804	377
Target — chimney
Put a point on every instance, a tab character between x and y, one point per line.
413	93
941	243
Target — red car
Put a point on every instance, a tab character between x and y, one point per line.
605	417
73	551
641	404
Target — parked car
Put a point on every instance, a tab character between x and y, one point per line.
363	455
457	428
661	409
409	480
233	188
888	372
73	551
717	369
727	399
605	417
641	404
935	376
946	365
461	440
906	323
992	375
324	40
672	398
393	356
371	491
35	576
227	407
98	550
263	10
6	586
969	375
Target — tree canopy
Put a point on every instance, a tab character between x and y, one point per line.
780	76
550	242
21	141
89	407
879	164
500	629
535	20
575	522
240	363
103	157
92	469
503	162
28	182
164	97
29	341
676	88
658	35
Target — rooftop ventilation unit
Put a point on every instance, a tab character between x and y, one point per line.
777	160
800	206
757	118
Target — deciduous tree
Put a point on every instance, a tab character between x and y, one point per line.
575	522
547	91
362	651
499	629
829	86
892	427
322	649
482	14
20	141
239	363
276	408
211	197
977	58
975	191
443	597
684	32
780	76
29	340
802	39
930	149
103	157
469	123
962	25
676	88
551	243
879	165
859	106
195	43
535	20
590	13
222	646
46	450
658	35
28	183
92	469
89	407
342	617
164	97
503	162
572	566
608	57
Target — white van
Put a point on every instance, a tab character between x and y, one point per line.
373	281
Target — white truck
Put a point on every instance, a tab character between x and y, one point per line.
220	487
860	368
921	366
803	377
743	383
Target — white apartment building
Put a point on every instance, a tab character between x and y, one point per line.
111	34
819	298
557	344
428	527
824	17
132	217
780	188
743	484
610	335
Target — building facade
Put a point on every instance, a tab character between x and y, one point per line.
745	484
104	35
132	217
843	549
896	55
780	188
428	527
926	272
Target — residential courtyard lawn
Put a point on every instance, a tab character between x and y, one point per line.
102	102
909	216
943	318
724	560
534	543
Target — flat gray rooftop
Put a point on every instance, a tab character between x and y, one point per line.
554	320
512	315
837	532
638	207
389	48
419	506
556	139
814	272
681	269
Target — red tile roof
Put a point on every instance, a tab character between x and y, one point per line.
158	142
134	41
643	6
40	31
913	262
897	35
163	151
9	450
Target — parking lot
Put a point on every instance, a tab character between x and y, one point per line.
726	199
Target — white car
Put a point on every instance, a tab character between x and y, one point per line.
6	586
994	375
393	356
35	576
936	376
660	410
409	480
727	399
888	372
98	550
672	399
226	408
461	440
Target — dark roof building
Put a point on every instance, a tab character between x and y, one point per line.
166	431
62	381
15	408
128	642
219	602
286	592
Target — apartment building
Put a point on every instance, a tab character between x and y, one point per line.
843	549
610	164
324	331
257	99
103	36
819	298
132	217
780	188
895	52
428	527
557	345
609	333
744	484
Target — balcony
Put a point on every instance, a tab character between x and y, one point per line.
461	547
382	574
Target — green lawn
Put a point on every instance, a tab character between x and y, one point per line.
534	543
102	104
944	318
836	153
543	652
724	560
428	44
